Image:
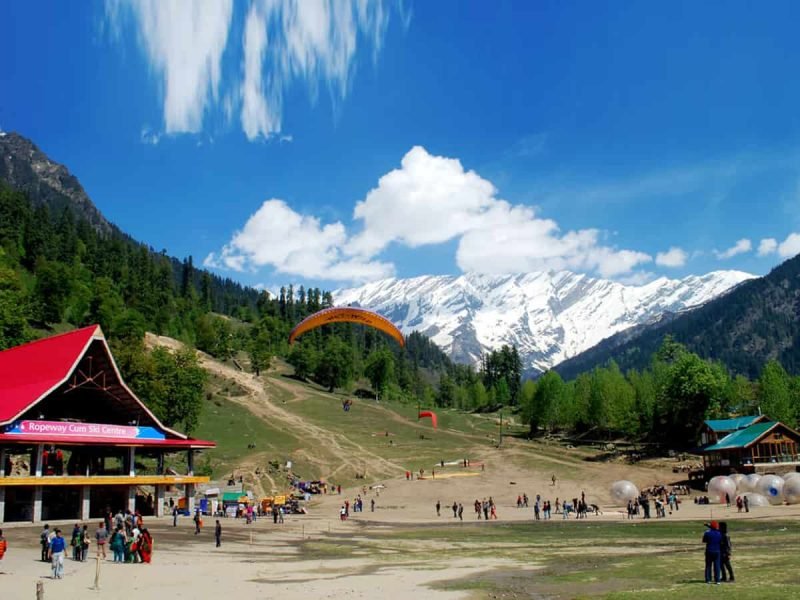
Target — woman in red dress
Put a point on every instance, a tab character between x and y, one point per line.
145	545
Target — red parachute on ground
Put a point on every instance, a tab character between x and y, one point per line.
423	414
347	314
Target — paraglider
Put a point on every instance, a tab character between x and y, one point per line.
347	314
423	414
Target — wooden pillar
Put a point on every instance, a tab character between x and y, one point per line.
159	501
39	458
37	503
86	495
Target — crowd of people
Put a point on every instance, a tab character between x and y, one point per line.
124	533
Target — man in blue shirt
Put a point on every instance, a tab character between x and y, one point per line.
712	538
57	554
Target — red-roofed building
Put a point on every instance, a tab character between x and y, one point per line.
75	441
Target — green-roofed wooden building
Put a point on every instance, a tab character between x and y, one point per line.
748	444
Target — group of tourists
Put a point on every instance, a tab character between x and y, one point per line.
485	507
124	533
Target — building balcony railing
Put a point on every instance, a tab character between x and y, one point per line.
103	480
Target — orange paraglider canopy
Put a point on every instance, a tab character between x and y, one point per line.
430	415
348	314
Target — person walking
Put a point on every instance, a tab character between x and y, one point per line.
460	511
101	536
712	538
725	554
218	533
455	509
372	505
57	546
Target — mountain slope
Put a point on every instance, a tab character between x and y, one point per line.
549	317
27	169
756	322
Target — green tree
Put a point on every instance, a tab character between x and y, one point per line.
13	310
380	370
51	291
303	359
549	393
691	388
335	365
775	393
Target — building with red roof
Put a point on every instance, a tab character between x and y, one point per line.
75	441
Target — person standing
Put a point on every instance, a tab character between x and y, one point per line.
455	509
84	542
460	511
3	547
218	533
438	508
174	515
372	505
725	554
75	542
712	538
101	536
57	546
746	504
197	521
44	541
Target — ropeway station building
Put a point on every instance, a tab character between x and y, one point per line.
76	442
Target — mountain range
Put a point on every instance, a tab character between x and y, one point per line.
549	316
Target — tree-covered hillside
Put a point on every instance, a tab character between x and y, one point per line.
756	322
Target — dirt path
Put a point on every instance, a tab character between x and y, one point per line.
258	401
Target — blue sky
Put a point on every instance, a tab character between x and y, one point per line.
330	143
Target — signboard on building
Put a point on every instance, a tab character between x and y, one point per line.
69	430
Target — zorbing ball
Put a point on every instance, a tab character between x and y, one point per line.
719	486
623	490
791	490
749	483
754	500
771	486
737	479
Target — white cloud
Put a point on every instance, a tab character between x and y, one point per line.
284	42
672	258
432	199
790	246
428	200
767	246
742	246
278	237
786	249
183	43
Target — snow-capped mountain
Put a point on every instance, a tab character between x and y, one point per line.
548	316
